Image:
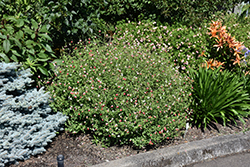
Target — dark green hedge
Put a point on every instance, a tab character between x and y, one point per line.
69	20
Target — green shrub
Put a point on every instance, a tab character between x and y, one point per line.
218	95
27	42
66	20
121	94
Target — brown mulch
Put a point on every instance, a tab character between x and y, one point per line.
79	151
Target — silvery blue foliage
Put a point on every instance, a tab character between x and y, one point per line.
27	123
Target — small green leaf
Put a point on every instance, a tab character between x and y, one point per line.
6	45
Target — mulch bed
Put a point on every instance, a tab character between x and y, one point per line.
79	151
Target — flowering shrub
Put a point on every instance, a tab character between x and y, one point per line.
183	45
121	94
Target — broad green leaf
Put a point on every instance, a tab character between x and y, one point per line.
33	36
32	51
91	30
44	29
48	48
19	22
45	36
43	60
58	61
28	30
5	57
19	34
16	53
6	45
13	57
17	42
42	55
30	58
3	36
34	24
29	43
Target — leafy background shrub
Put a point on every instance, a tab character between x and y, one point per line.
26	41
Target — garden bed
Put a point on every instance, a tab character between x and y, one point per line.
79	151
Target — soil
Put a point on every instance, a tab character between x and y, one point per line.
79	151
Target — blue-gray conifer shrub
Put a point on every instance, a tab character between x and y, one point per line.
27	123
